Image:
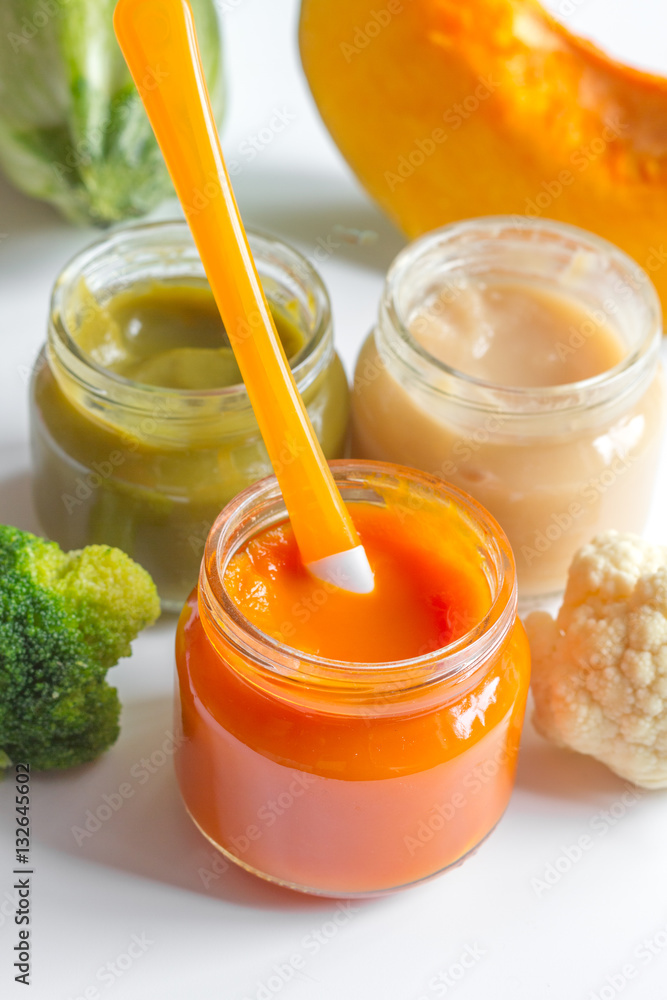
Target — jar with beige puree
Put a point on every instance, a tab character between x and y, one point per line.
519	359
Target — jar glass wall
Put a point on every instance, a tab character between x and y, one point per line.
554	464
146	468
348	778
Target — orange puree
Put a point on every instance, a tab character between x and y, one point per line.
424	596
350	779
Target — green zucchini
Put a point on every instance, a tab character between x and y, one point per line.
73	131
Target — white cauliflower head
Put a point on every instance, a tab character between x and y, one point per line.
600	670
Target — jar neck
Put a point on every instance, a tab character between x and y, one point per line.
434	269
356	688
165	251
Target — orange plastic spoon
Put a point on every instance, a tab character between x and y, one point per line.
159	43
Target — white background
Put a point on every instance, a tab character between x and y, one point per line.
138	875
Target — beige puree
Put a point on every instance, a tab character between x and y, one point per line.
552	480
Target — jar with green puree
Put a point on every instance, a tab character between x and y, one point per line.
141	428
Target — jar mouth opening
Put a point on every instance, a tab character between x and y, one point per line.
515	232
360	480
157	235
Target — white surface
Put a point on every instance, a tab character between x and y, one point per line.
138	874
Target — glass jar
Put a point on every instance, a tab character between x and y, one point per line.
554	465
348	778
148	469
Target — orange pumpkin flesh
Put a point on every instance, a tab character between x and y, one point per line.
447	110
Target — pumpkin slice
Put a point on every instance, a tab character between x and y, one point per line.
447	110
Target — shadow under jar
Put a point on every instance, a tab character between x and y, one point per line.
147	468
553	463
351	778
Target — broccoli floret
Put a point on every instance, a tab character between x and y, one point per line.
65	618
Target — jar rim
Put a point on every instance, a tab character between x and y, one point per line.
320	342
517	399
453	661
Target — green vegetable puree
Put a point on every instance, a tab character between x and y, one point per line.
169	335
150	475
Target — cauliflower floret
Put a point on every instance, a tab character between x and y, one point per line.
600	669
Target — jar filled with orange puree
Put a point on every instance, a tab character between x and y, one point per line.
349	744
141	427
519	359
